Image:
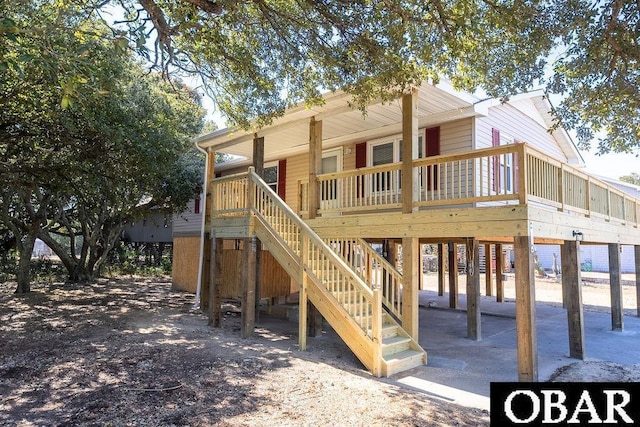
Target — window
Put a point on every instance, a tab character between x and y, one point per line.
503	171
385	152
271	175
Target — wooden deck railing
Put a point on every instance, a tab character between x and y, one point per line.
509	174
373	269
230	195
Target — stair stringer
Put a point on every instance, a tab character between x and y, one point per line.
358	341
286	257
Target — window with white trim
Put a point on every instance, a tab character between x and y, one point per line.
506	164
385	151
271	175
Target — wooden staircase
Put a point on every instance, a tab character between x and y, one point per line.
340	283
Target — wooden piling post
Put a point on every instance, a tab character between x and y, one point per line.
215	279
473	290
499	274
526	330
441	275
410	252
453	275
248	309
572	283
615	282
487	270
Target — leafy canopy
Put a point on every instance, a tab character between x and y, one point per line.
89	139
259	57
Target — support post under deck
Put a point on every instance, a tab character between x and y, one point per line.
410	254
215	280
473	290
572	285
204	278
526	330
615	281
453	275
441	275
487	270
499	274
248	309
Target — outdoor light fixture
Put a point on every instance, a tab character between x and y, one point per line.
578	235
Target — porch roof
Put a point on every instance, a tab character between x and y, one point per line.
342	124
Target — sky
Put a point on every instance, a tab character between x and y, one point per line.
611	165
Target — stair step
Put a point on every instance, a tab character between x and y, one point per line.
398	362
389	330
396	344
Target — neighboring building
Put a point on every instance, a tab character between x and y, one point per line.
153	228
438	166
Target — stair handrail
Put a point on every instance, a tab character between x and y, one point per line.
307	232
391	286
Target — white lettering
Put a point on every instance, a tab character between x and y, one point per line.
585	405
508	410
549	404
612	407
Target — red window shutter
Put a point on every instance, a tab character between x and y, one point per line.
361	155
196	205
282	178
495	142
432	139
361	162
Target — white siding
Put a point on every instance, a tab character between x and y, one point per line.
456	137
514	123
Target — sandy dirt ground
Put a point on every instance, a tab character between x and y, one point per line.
132	352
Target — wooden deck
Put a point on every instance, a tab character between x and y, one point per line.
493	194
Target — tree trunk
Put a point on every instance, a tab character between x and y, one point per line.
69	261
23	273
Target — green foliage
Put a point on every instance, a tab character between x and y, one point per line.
46	270
598	72
143	260
8	264
258	58
633	178
89	140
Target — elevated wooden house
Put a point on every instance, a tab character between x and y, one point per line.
319	185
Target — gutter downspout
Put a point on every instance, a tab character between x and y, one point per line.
196	303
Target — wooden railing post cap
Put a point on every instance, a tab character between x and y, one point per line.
252	169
